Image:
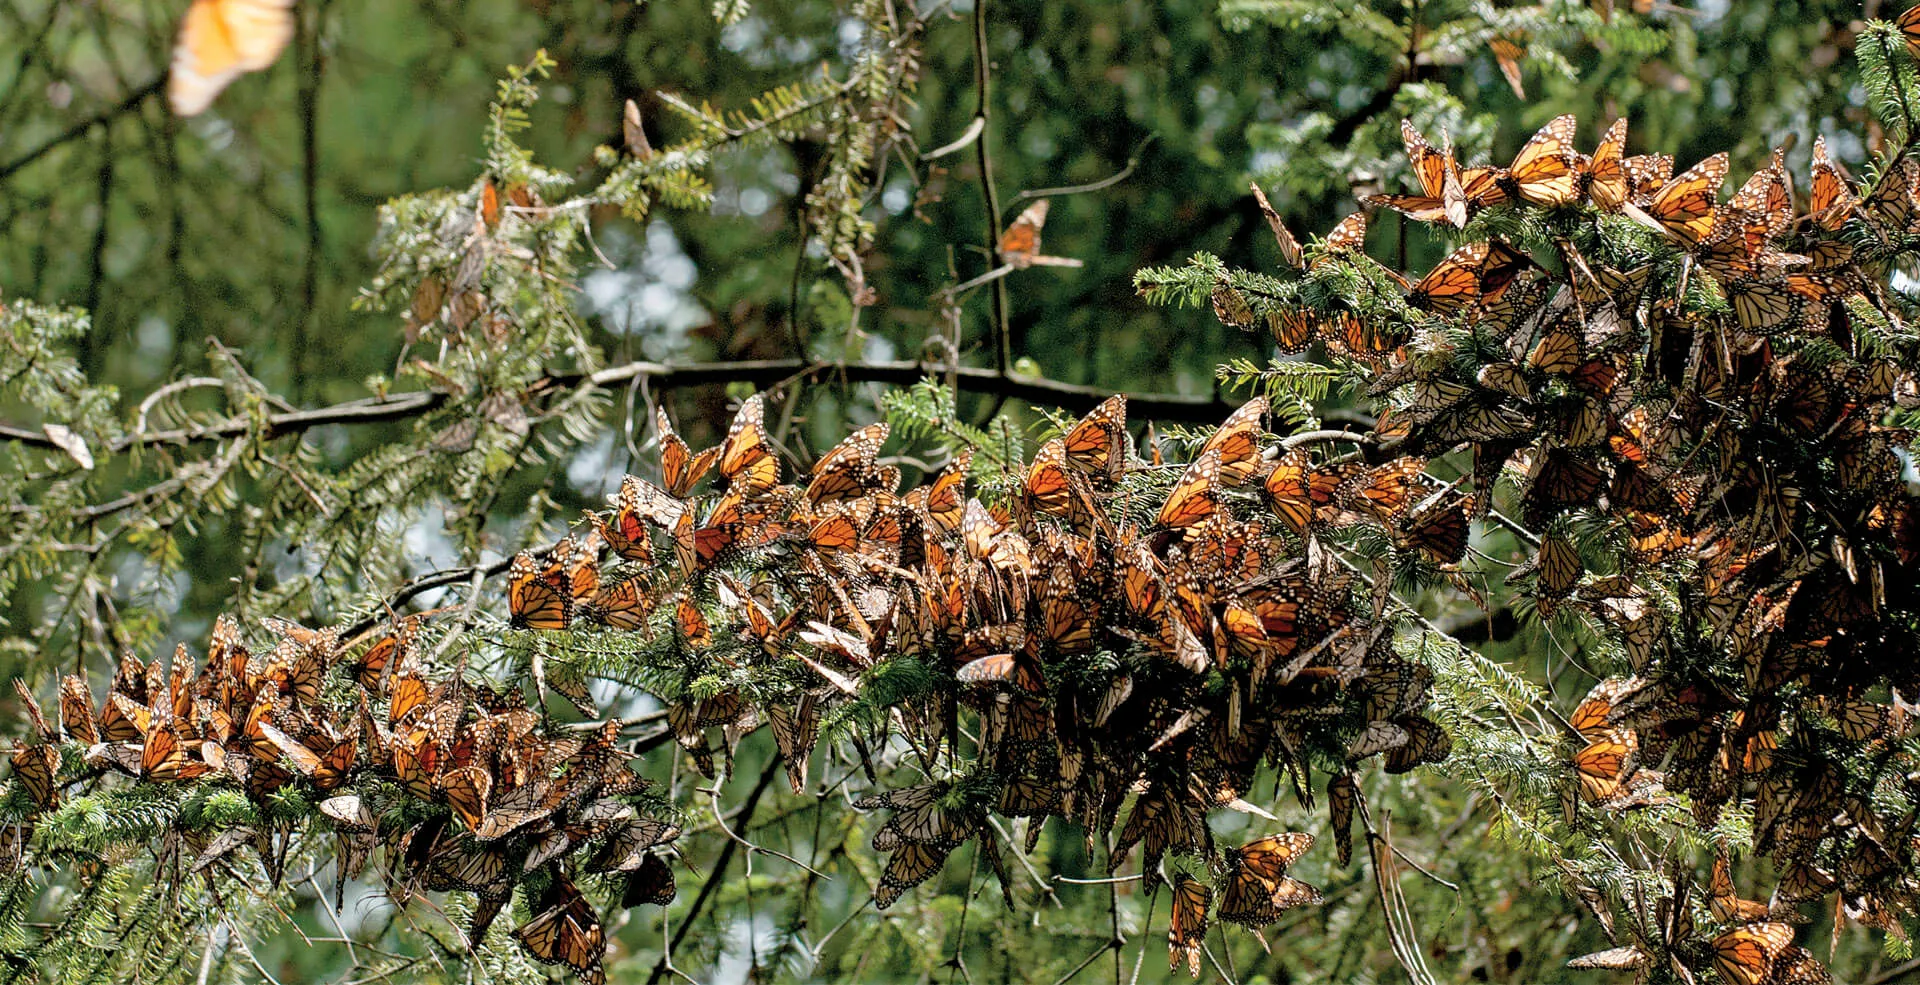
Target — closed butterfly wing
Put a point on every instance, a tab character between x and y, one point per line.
1288	488
1831	200
1097	443
1605	177
1238	442
1188	927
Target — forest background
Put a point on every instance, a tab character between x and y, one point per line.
238	256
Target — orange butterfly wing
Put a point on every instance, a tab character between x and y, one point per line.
219	41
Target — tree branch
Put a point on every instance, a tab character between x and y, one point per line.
78	130
1192	409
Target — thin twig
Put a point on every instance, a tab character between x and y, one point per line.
983	85
1133	161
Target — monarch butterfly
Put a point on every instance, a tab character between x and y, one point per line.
568	933
1268	858
1068	620
1684	207
680	468
1557	565
1365	339
910	865
1386	491
692	624
844	472
1441	197
327	772
220	40
1909	24
1626	958
1440	532
36	765
1342	795
624	605
946	498
1543	172
1195	497
651	883
734	522
1766	305
1019	246
639	503
1726	905
1594	716
164	760
749	468
1426	743
1559	481
1049	486
533	600
1831	200
1798	966
1745	955
1453	283
76	710
466	789
833	535
1097	443
1252	902
1238	442
1293	329
1017	669
794	732
1558	351
1603	766
1188	927
1140	579
1603	179
1376	738
1646	175
1289	247
1507	52
1349	235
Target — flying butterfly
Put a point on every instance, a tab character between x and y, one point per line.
221	40
1019	246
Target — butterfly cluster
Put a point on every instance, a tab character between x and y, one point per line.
1113	629
458	786
1686	401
